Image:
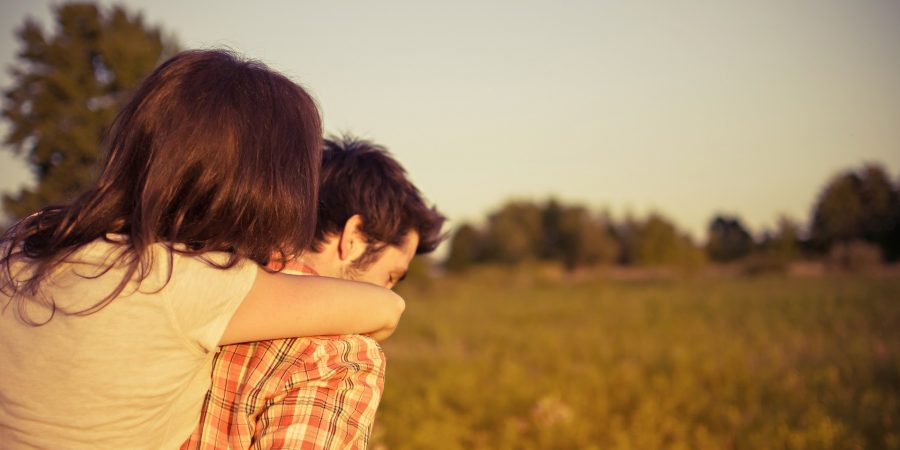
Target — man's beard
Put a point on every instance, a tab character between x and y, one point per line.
354	270
351	272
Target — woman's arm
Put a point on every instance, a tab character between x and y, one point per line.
284	306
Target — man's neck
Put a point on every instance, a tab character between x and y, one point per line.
319	263
298	268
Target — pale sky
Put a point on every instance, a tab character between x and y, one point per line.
688	108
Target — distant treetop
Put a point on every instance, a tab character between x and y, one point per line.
67	86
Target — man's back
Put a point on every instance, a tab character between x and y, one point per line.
292	393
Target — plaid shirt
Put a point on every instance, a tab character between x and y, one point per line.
302	393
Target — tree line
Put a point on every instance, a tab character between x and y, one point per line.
855	220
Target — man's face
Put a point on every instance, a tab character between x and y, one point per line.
390	266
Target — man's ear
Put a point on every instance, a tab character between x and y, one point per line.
352	243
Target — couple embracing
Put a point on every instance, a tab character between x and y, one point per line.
223	283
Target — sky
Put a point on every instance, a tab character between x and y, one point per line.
689	108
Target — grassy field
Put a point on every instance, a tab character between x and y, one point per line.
500	361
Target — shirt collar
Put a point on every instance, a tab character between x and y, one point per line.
299	268
295	268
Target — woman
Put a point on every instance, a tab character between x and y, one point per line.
114	304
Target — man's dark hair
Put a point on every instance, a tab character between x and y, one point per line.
360	177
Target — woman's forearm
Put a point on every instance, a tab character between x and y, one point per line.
283	306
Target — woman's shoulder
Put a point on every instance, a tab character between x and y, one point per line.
114	249
161	266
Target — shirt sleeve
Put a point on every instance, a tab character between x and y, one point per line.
205	297
329	404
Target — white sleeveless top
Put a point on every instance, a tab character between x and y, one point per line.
132	375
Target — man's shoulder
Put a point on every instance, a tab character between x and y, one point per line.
302	344
346	339
309	356
349	349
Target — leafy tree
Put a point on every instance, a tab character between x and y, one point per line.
584	240
465	248
838	213
514	233
881	210
656	241
67	86
728	239
551	224
521	231
858	206
785	244
776	249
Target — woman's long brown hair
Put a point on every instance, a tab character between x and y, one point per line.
212	152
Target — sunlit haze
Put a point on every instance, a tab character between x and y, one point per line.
687	108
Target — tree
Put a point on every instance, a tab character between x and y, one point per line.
551	224
67	86
584	240
858	206
785	244
465	248
521	231
656	241
514	233
881	210
728	239
776	249
838	213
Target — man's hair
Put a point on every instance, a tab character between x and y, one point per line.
360	177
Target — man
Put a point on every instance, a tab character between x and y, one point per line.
321	393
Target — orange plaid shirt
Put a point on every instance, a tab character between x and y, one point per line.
301	393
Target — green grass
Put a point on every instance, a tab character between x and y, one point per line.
500	361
